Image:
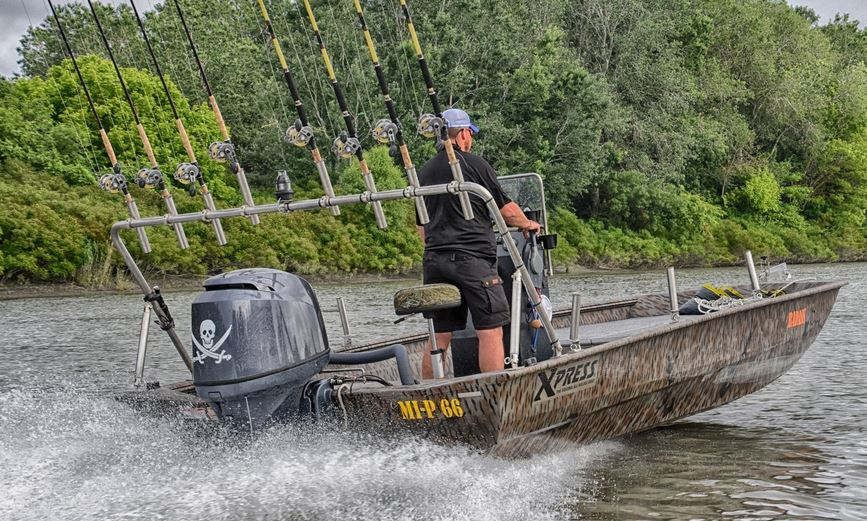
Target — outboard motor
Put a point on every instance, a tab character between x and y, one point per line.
258	337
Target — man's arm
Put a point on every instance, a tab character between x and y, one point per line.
514	216
420	230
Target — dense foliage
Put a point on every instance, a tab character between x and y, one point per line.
675	131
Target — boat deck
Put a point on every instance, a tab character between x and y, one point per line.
604	332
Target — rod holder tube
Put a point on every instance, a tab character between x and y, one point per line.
457	173
574	335
515	325
179	228
344	321
142	236
672	295
754	279
325	180
377	206
142	346
420	206
218	226
245	193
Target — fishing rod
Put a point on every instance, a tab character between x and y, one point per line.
190	173
146	176
346	144
114	182
220	151
300	133
433	125
389	131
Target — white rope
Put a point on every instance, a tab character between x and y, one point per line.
724	302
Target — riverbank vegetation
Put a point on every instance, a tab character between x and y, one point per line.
667	131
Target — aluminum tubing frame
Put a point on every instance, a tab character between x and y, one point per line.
453	188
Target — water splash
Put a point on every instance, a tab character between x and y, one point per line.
72	454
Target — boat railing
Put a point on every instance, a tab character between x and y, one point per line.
155	300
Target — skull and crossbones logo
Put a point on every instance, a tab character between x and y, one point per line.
208	348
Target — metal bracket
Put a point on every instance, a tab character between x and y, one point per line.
166	322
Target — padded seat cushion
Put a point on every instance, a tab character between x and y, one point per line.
430	297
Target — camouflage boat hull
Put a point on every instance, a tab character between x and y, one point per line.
624	386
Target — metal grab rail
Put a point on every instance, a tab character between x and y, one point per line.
454	188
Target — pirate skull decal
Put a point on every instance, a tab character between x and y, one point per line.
206	333
208	348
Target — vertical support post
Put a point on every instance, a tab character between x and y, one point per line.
344	321
754	279
515	325
142	345
575	321
436	354
672	296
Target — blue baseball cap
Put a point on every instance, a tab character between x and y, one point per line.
457	118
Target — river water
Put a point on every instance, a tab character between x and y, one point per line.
795	450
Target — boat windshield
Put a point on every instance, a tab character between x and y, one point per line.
525	189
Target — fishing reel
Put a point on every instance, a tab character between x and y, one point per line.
345	147
298	134
149	177
187	174
222	151
113	183
430	126
385	131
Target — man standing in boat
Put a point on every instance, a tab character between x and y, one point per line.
464	252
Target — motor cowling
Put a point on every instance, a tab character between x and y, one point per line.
258	337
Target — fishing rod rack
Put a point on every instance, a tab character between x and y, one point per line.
154	298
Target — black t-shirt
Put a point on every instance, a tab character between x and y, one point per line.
447	229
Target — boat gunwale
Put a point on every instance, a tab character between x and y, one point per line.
412	337
506	375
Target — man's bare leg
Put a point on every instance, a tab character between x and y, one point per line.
443	340
491	356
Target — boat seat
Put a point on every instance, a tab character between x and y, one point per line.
426	298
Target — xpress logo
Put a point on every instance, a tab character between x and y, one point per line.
564	380
208	348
